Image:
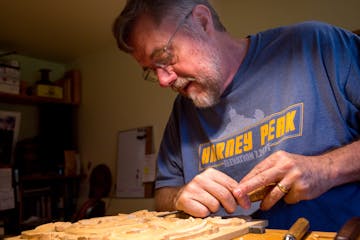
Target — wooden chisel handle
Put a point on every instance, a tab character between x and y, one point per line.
350	230
260	193
297	230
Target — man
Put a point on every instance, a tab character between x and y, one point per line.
281	106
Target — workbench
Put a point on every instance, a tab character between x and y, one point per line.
272	234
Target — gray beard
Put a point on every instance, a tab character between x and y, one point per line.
209	80
209	96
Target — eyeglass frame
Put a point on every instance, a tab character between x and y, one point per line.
149	74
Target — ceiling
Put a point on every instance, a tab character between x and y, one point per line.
58	31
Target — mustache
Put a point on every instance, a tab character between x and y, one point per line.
182	82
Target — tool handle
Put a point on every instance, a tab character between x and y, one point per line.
350	230
260	193
298	229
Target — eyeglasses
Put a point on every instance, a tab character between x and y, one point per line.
163	57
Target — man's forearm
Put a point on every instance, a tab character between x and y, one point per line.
165	198
344	163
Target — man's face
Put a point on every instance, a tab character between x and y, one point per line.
205	88
194	68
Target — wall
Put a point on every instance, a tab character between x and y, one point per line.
250	16
116	98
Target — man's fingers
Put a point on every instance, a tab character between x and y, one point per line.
242	198
200	204
207	192
220	178
220	186
261	180
224	196
280	162
196	209
279	191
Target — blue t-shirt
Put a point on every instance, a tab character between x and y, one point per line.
297	90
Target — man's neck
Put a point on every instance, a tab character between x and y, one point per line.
235	50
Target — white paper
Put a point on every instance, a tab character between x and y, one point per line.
131	152
149	168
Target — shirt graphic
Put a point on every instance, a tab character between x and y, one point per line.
254	139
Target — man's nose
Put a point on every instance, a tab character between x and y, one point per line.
166	78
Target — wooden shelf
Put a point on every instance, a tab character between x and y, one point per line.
57	132
30	100
38	177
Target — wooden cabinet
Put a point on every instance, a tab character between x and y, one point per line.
43	192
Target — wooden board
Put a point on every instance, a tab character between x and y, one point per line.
142	225
235	231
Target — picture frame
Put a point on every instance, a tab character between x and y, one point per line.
9	133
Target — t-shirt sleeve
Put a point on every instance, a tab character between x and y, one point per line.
353	79
169	162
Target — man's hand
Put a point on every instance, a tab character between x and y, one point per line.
206	193
304	177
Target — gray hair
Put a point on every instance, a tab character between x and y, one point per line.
158	10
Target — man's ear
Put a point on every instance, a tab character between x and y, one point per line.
203	16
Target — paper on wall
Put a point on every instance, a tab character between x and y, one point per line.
149	169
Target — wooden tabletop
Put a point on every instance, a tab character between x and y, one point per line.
272	234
